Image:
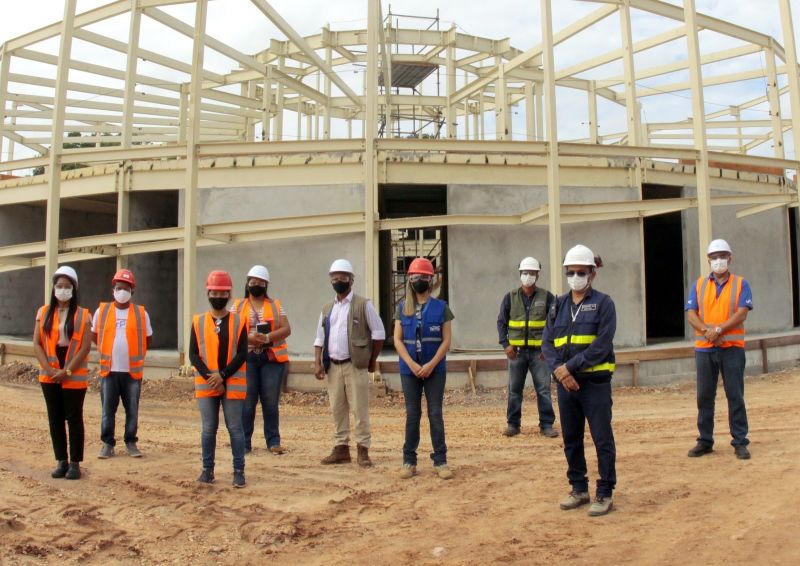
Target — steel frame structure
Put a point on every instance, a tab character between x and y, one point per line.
191	133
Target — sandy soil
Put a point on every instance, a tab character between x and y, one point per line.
502	507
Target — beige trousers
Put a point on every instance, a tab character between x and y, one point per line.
348	390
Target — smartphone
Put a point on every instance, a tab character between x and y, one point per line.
263	327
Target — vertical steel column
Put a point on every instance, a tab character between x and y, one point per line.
277	123
57	146
553	188
790	47
530	119
701	145
192	166
370	158
537	101
593	129
450	66
631	106
266	101
502	121
5	64
326	133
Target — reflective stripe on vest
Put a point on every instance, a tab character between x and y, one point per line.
713	310
49	342
208	348
135	335
270	312
524	328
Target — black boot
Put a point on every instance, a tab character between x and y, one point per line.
74	471
60	470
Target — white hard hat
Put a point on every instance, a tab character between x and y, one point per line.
260	272
530	264
67	272
579	255
719	246
341	265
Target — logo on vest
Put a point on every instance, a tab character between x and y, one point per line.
592	307
435	328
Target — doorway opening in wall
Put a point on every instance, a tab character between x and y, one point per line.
663	269
793	212
399	247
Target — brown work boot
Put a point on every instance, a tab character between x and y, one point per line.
363	456
339	455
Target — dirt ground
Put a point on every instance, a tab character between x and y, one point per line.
502	506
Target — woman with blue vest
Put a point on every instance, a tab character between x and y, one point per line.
578	348
422	338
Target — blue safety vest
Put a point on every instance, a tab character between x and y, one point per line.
422	335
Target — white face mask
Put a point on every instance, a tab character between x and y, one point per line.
578	283
719	265
122	296
63	294
527	280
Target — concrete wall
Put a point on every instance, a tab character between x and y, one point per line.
761	254
483	260
298	267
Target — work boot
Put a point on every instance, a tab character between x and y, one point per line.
408	471
699	450
574	500
549	432
742	452
238	479
106	451
600	506
277	450
511	430
206	476
133	451
363	456
73	471
339	455
444	472
60	470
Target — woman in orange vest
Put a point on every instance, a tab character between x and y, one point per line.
61	342
267	355
217	350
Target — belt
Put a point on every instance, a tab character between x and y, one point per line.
339	362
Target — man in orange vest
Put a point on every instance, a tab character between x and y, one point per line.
122	333
717	308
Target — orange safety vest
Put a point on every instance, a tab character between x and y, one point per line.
272	314
208	346
713	310
135	333
79	377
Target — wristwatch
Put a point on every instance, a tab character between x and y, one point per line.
68	372
718	330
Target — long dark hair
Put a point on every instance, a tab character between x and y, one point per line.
73	306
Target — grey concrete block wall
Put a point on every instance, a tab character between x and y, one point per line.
483	260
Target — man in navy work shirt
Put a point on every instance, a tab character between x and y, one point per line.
717	307
578	348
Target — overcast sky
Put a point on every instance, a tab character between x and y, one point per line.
240	24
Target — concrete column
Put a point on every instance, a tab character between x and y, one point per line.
57	146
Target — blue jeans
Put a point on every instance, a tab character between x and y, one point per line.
592	403
433	387
114	387
528	360
209	416
730	362
264	380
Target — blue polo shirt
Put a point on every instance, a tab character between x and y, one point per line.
745	300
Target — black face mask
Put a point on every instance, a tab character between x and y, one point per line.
340	287
218	303
257	290
421	286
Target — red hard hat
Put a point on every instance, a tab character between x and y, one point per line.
126	276
219	281
421	266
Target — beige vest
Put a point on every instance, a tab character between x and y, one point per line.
359	334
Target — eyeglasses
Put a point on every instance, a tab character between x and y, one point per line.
578	273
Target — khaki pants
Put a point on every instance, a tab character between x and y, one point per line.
348	390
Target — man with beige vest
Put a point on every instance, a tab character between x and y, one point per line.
350	336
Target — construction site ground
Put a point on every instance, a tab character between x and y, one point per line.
502	506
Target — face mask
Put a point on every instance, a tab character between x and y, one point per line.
218	303
340	287
578	283
421	286
63	294
528	280
122	296
257	290
719	266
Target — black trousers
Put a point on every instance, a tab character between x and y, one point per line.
65	406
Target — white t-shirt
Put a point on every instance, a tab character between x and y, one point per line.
120	360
